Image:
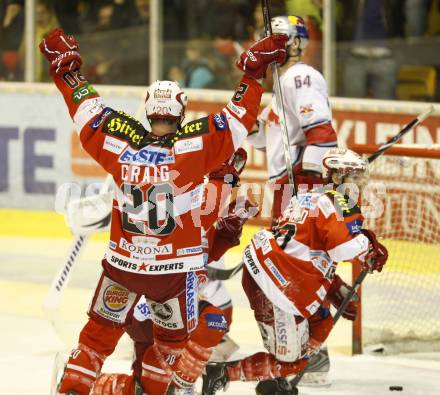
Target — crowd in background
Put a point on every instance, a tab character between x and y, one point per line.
377	40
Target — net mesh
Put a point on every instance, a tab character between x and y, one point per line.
401	305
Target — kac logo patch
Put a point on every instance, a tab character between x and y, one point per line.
220	122
106	112
354	227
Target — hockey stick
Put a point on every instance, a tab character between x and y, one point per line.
363	274
416	121
279	101
62	277
223	274
226	274
64	274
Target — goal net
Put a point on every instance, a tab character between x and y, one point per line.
401	305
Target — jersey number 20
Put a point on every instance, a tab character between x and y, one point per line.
160	209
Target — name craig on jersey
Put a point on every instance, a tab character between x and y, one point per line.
144	175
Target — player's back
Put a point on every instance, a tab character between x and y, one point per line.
160	191
305	100
328	223
296	262
155	220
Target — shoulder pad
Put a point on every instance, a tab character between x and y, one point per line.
193	128
124	126
343	204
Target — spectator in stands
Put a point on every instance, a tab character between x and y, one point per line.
68	14
370	69
143	11
433	28
311	11
11	33
196	70
45	22
105	16
416	17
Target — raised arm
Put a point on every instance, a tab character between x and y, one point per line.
229	128
104	132
62	52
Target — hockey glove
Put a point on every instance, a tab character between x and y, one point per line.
313	346
229	227
377	254
336	294
230	171
256	59
61	50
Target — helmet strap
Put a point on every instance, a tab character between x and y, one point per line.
337	178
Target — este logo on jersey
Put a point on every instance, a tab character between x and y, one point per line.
147	156
115	298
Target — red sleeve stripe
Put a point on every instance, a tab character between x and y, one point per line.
321	134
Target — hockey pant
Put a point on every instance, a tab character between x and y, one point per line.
184	362
216	293
140	329
111	310
181	363
285	337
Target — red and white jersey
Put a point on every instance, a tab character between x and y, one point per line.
155	226
294	265
308	118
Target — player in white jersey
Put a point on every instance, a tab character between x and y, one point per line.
308	117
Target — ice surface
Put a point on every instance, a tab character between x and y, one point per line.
29	342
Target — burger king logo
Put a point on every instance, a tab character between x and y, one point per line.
115	298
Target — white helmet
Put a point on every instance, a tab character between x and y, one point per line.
343	161
292	26
165	99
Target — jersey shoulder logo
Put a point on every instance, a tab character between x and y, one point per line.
125	127
192	129
344	205
220	122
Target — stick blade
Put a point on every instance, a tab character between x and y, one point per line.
426	113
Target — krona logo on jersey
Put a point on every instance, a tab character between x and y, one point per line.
115	298
147	156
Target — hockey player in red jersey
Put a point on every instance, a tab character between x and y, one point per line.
212	317
217	240
159	176
289	271
308	118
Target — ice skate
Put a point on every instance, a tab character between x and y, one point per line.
224	350
317	372
278	386
174	390
215	378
